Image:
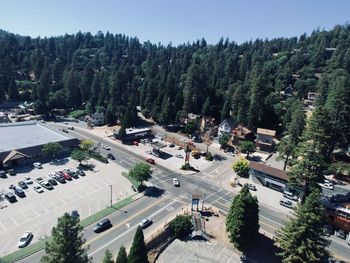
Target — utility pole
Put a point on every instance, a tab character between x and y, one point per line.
111	194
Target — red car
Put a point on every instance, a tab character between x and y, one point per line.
150	160
66	176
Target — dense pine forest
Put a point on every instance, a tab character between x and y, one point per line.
114	73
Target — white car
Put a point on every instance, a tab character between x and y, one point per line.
28	180
38	189
53	175
230	154
179	156
145	223
327	186
176	182
39	180
25	239
106	147
37	165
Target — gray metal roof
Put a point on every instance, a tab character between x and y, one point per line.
26	134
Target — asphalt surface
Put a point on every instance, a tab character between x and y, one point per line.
158	207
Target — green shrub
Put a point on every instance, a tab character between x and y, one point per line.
181	227
209	157
78	113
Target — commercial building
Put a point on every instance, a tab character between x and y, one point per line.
271	177
135	133
21	143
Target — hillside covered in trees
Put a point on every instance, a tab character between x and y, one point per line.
114	73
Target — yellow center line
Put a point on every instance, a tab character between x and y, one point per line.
124	222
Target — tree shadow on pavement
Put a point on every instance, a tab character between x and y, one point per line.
261	250
153	191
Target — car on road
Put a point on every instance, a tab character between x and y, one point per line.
106	147
171	145
102	225
52	181
11	172
38	165
148	151
25	239
23	185
10	197
151	161
20	193
65	130
39	180
145	223
47	185
176	182
38	189
70	128
180	156
286	203
341	234
28	180
110	156
251	187
327	186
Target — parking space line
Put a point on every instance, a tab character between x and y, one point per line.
14	221
35	212
2	225
42	205
26	217
5	247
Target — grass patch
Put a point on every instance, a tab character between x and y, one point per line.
135	183
78	113
32	249
98	157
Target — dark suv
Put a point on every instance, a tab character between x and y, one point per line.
102	225
20	193
10	197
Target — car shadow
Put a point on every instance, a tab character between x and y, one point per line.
60	161
24	169
153	191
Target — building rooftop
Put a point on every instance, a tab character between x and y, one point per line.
266	132
269	170
137	130
26	134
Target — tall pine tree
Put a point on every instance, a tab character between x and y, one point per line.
138	253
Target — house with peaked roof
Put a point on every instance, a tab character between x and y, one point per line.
265	139
241	133
226	127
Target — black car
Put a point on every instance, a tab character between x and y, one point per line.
23	185
10	197
81	173
20	193
102	225
110	156
3	174
75	214
60	179
73	174
11	172
52	181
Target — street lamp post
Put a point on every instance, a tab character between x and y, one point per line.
111	194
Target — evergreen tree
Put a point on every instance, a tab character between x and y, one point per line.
206	107
138	253
122	257
108	257
242	221
66	245
302	239
13	90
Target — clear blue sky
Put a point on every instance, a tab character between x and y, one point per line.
177	21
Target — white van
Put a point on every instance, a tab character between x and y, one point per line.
290	196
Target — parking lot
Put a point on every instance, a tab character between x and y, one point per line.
37	212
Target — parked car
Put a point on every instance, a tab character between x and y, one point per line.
290	196
341	234
179	156
10	197
66	176
286	203
230	154
38	189
327	186
136	143
53	176
39	180
145	223
3	174
70	128
23	185
52	181
176	182
251	187
81	173
73	174
47	185
75	214
38	165
25	239
150	160
60	179
102	225
171	145
110	156
348	239
28	180
20	193
11	172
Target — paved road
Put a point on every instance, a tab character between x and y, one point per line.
270	220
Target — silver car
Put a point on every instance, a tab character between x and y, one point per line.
25	239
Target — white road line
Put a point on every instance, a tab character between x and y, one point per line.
164	181
42	205
130	229
28	219
4	247
14	221
215	170
213	194
270	220
35	212
221	197
37	232
2	225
